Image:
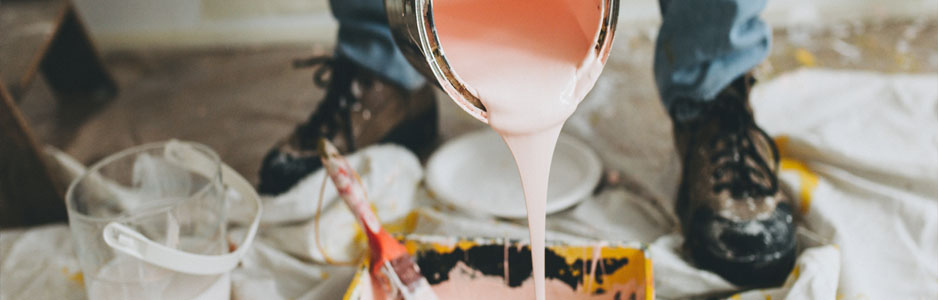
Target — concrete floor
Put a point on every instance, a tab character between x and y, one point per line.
241	101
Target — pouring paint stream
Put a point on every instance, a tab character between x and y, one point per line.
530	63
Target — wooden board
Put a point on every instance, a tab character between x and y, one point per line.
48	37
26	29
28	194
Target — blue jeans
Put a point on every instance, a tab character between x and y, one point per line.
364	38
702	46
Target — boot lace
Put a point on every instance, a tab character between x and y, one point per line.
334	113
745	179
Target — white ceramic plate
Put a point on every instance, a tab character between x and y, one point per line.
477	173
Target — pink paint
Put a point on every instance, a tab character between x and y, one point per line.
531	64
596	258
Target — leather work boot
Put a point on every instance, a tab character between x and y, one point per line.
359	109
735	219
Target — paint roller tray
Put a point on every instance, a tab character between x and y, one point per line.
476	172
475	269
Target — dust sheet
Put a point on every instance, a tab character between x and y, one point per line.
860	157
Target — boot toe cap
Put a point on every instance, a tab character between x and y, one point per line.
757	252
280	171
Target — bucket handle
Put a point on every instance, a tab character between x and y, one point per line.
128	241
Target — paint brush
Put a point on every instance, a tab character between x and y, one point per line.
390	261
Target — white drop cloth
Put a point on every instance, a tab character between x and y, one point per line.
861	158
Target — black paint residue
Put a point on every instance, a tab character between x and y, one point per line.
490	260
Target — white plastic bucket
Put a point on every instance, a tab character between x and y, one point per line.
150	223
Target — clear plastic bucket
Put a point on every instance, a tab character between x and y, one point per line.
150	223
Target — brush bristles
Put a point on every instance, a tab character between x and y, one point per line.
407	271
404	275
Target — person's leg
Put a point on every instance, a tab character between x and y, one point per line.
735	219
703	45
373	95
365	39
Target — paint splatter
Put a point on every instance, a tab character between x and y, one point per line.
805	58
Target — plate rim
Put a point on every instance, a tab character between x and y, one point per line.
578	194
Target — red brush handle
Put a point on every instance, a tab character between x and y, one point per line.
383	246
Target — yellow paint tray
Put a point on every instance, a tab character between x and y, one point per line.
605	270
